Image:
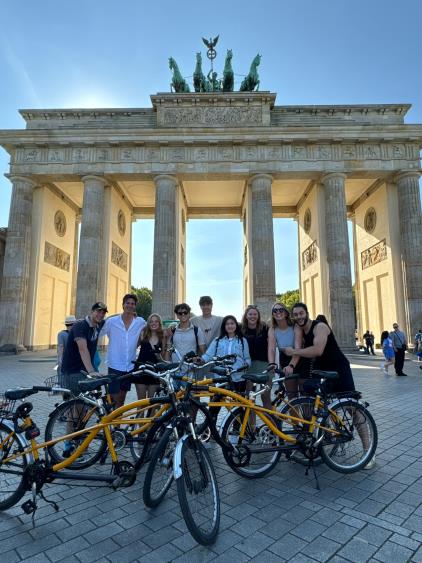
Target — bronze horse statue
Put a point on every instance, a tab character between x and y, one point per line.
178	83
228	74
251	80
200	82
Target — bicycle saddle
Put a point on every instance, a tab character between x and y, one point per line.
324	374
92	384
256	377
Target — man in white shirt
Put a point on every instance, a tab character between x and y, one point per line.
123	333
208	323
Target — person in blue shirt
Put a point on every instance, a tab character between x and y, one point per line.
231	341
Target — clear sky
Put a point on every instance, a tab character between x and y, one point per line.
103	53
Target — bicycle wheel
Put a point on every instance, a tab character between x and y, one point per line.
198	492
12	480
159	475
69	417
260	458
299	407
355	446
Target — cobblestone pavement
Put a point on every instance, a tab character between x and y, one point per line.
372	515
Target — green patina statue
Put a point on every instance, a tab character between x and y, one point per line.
211	82
178	83
251	80
200	82
228	74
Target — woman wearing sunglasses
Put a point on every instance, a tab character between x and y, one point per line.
281	334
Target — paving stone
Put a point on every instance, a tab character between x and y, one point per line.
38	546
357	550
414	523
412	544
62	550
393	552
96	551
373	534
308	530
340	532
287	546
321	549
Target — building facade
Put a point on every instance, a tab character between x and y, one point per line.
81	177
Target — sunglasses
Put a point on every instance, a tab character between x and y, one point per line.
279	310
182	313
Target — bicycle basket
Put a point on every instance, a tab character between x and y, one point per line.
7	407
52	381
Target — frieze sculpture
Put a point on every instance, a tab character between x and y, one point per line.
56	257
374	254
309	255
178	83
118	256
211	82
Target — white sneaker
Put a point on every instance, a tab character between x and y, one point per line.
370	464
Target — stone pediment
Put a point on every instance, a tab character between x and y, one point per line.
214	109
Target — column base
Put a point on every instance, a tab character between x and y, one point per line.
9	349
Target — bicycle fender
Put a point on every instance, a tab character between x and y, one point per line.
177	457
20	438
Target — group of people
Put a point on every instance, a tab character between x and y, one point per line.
394	346
292	340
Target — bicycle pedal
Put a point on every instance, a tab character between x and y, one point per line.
29	507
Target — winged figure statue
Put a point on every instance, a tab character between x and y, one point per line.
211	43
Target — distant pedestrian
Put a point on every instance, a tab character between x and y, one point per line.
418	343
368	338
387	350
62	337
400	346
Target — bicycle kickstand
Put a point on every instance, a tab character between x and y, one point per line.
311	464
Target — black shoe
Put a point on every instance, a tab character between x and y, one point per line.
399	374
420	367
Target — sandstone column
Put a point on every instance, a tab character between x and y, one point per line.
410	219
340	298
164	283
262	243
91	264
14	289
75	266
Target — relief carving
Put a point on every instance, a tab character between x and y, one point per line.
103	155
201	154
32	155
55	155
309	255
211	116
118	256
80	155
374	254
60	223
370	220
56	257
126	154
121	222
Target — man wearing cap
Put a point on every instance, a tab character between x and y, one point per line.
62	337
81	347
123	335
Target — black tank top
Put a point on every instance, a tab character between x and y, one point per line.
332	359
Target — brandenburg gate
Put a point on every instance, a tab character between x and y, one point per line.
80	177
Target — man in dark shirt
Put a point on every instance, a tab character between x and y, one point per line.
81	347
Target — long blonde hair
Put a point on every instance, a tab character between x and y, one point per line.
147	332
288	319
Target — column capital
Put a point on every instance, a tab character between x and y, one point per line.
94	177
406	174
332	175
259	176
17	178
166	177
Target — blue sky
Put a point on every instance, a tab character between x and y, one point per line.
105	53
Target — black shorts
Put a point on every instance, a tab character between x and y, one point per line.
116	386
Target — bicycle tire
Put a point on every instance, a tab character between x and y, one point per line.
303	408
260	463
349	454
198	493
12	486
77	415
159	475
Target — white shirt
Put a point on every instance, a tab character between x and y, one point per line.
121	351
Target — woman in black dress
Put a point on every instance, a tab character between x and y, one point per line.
151	341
